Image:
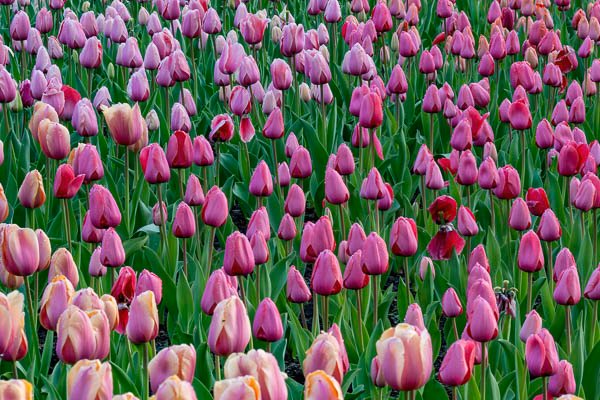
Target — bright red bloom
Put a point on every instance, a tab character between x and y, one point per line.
443	210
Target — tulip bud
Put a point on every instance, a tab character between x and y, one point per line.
31	193
90	379
267	324
178	360
142	325
229	330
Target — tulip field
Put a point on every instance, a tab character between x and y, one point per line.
301	199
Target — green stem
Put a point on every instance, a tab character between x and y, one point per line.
163	234
67	223
127	206
360	320
483	368
407	280
568	326
529	290
375	300
145	377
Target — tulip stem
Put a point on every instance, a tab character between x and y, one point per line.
258	298
454	393
218	367
342	223
545	387
529	290
303	316
492	213
582	219
145	377
323	118
163	234
407	280
67	223
568	325
360	320
455	328
595	234
32	316
274	148
185	260
15	370
211	247
594	323
127	206
325	313
375	300
181	179
523	158
431	132
550	268
483	368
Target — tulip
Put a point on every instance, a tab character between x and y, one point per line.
103	209
242	388
178	360
155	164
218	288
300	163
375	259
62	263
229	330
267	324
393	349
467	225
326	278
263	367
20	250
75	339
457	365
296	289
336	191
484	327
90	379
519	217
451	306
31	193
142	325
541	355
18	389
113	253
215	208
125	123
86	160
563	381
326	354
184	225
4	208
320	385
549	229
175	388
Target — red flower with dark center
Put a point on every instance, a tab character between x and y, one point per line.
443	210
444	243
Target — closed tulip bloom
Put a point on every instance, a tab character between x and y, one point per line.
300	163
531	256
4	208
319	385
240	101
482	324
375	258
325	354
239	258
155	164
89	233
184	224
467	169
563	381
571	158
259	221
54	139
71	34
217	288
221	128
31	193
8	89
260	248
549	228
62	263
267	324
240	388
229	330
519	116
281	74
95	267
75	339
537	201
531	325
405	357
125	396
372	187
296	289
287	228
274	128
55	300
203	153
261	183
568	289
592	288
84	119
90	379
488	174
371	111
544	134
354	277
175	388
113	253
467	225
16	389
263	367
295	202
541	355
138	88
194	195
326	278
91	54
178	360
403	237
519	217
509	183
336	191
20	250
86	160
457	365
451	306
125	123
142	325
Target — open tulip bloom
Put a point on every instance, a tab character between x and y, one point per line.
234	201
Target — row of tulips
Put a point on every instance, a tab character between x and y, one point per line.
228	264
